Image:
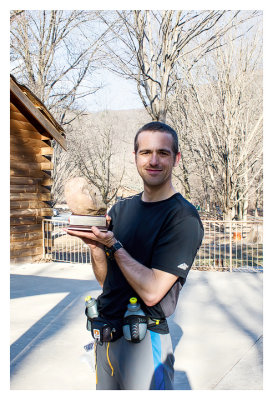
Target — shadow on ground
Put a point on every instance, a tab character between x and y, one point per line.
57	318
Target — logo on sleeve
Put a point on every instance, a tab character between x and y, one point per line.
183	266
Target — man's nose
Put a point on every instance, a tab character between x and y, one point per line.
154	159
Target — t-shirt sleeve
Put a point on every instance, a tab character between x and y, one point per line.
177	246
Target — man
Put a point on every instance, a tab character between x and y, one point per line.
153	238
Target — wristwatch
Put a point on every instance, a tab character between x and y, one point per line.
110	251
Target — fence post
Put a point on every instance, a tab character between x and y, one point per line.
43	229
230	248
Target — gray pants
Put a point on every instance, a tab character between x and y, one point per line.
148	365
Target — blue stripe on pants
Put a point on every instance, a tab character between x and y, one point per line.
158	366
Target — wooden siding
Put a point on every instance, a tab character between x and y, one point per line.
32	128
30	182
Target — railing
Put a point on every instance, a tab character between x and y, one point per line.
231	246
61	247
227	246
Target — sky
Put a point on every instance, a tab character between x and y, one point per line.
117	94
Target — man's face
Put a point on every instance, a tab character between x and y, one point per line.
155	158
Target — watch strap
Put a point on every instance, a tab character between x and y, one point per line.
116	246
110	251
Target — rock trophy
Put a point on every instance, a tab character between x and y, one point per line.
86	204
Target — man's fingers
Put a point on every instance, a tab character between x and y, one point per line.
95	235
108	220
97	232
83	234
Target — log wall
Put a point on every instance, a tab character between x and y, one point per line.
30	183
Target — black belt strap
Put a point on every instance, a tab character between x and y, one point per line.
154	321
133	319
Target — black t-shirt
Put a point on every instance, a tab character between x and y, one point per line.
164	235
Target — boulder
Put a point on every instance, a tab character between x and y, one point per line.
83	198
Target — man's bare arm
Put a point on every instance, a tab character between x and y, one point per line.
150	284
99	264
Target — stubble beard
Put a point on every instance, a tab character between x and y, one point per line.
152	183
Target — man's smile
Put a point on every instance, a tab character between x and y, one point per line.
153	171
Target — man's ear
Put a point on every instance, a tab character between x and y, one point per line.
177	159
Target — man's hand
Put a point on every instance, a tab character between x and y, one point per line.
94	236
86	236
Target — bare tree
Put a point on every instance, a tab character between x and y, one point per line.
220	120
55	52
14	14
258	195
92	156
150	44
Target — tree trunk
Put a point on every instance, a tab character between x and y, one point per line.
229	214
245	207
162	114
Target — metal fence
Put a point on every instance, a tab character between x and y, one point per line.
227	246
61	247
231	246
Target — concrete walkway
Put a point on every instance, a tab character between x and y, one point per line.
216	330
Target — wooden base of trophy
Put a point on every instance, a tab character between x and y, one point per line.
85	222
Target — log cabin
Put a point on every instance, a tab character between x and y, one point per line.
32	130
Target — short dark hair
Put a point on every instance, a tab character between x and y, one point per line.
159	127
